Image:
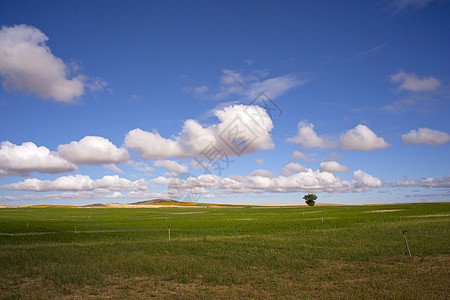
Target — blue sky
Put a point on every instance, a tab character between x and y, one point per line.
224	102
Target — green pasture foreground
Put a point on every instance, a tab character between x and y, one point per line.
344	252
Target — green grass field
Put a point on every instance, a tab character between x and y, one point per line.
226	253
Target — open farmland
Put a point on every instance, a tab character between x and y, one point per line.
226	252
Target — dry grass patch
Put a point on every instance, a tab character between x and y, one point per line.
383	210
188	213
26	233
428	216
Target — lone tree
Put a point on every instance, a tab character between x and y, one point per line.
310	199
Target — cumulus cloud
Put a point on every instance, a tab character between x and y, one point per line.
300	155
173	167
307	181
116	183
78	183
364	180
113	168
262	173
333	157
92	150
22	160
27	64
140	166
358	138
238	132
152	146
332	167
200	164
423	93
309	138
443	182
426	136
292	168
161	180
361	138
97	194
411	82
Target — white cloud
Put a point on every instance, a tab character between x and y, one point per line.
134	98
97	194
308	181
332	167
361	138
293	168
152	146
113	168
116	183
443	182
140	166
358	138
259	161
250	86
21	160
426	136
160	180
418	102
27	64
368	53
199	165
96	84
238	132
172	166
300	155
274	87
400	5
200	90
364	180
334	156
64	183
411	82
308	137
93	150
262	173
77	183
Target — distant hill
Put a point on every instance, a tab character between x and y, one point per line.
157	201
173	202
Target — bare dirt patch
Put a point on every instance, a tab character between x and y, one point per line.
187	213
383	210
428	216
26	233
8	206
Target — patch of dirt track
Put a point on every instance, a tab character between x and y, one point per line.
383	210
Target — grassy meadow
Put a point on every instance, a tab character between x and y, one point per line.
320	252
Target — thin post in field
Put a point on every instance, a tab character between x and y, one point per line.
406	242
